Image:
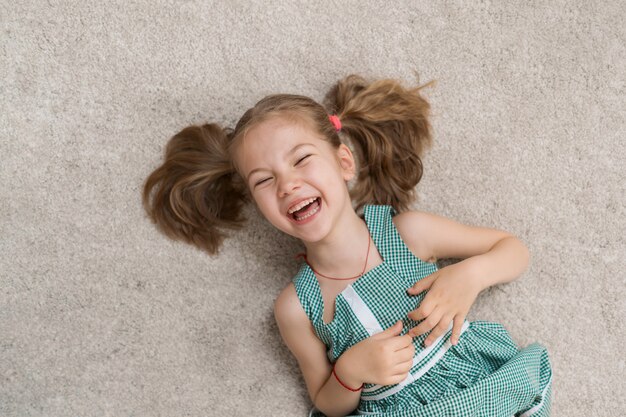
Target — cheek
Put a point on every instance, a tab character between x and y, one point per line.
331	176
265	205
259	201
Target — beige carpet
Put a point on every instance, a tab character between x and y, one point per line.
100	315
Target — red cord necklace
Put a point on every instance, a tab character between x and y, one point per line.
369	241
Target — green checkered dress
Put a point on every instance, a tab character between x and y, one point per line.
485	374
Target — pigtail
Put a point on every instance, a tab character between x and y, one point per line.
388	126
195	195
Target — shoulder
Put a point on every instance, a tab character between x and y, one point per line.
287	303
289	313
412	220
413	228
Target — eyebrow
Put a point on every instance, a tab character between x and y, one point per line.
294	149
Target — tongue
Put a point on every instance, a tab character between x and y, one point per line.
306	209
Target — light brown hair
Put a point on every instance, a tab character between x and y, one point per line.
196	195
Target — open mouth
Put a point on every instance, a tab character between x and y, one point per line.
307	210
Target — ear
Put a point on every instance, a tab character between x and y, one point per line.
346	161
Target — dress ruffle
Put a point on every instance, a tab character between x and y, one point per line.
485	374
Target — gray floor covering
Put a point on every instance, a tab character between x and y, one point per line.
100	315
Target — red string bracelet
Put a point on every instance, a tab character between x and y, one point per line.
344	385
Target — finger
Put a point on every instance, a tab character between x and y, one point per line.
421	285
396	379
391	331
440	329
402	368
405	354
456	328
429	322
424	310
401	342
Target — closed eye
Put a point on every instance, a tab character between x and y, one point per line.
262	181
302	159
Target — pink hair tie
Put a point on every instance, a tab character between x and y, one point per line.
334	119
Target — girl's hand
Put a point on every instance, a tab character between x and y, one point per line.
451	292
384	358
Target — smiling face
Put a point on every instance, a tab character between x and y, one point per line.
296	178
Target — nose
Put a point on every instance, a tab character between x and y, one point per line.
287	184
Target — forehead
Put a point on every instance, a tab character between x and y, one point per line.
279	128
274	138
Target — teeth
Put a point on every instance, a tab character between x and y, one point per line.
302	204
306	216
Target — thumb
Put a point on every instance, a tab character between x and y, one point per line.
421	285
394	330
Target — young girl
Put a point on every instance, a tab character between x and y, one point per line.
375	327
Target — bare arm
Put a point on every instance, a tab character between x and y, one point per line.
297	332
493	256
490	256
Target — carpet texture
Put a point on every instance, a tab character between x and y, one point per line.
101	315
